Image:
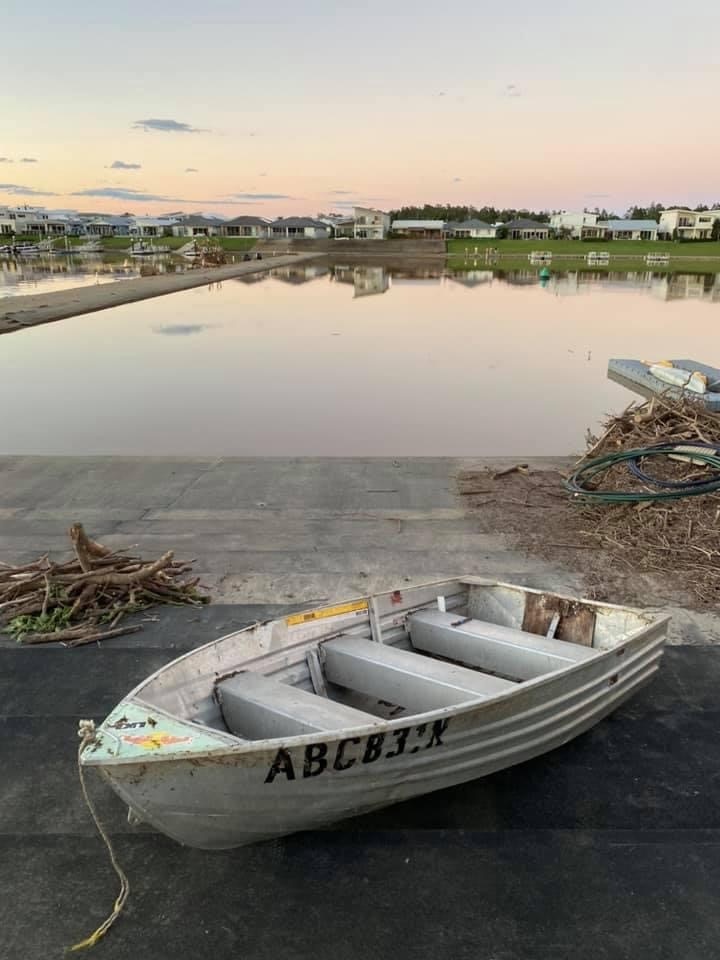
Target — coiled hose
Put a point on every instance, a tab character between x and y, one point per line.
586	473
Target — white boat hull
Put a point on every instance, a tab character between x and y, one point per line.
232	797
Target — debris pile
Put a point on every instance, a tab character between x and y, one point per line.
84	599
616	545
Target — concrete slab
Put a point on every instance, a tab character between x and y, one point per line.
608	847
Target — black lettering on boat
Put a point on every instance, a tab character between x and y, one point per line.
420	730
373	748
340	762
281	764
401	736
315	761
438	728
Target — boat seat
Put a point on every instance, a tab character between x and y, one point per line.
259	708
405	678
490	646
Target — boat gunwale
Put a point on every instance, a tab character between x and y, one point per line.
653	633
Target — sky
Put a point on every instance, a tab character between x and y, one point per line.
231	107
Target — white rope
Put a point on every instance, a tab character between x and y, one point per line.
86	732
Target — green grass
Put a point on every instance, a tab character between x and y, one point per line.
237	243
581	248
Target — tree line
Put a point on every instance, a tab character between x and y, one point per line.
447	211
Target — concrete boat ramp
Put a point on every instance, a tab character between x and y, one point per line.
606	848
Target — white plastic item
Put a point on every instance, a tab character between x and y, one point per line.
677	377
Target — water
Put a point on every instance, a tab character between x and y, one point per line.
45	274
350	361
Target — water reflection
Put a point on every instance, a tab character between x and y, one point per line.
325	369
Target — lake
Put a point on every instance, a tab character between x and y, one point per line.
351	361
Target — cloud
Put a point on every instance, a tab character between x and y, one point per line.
258	196
262	174
457	179
182	329
26	191
341	193
5	160
28	159
129	194
167	126
191	170
442	93
512	90
122	165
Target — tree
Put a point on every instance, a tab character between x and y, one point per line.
715	232
501	233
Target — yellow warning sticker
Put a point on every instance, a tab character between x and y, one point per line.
355	607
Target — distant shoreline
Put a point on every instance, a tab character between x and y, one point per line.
29	310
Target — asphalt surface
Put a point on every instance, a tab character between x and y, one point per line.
607	848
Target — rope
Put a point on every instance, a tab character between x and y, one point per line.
86	732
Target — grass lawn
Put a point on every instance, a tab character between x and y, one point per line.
580	248
237	243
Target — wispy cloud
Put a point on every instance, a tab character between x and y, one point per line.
191	170
341	193
28	160
5	160
457	179
167	126
25	191
183	329
129	194
512	90
262	174
123	165
258	196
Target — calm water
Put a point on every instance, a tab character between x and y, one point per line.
349	361
43	274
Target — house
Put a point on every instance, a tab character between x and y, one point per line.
690	224
196	226
151	226
298	228
245	227
582	226
524	229
471	230
109	226
419	229
631	229
370	224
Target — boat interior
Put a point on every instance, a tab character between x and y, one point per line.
401	654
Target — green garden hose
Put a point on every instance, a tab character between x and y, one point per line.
587	472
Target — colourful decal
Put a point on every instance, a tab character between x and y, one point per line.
356	606
154	741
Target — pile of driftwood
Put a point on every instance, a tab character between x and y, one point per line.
84	599
678	538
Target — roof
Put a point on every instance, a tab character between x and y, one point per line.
418	224
522	223
246	222
298	222
197	221
470	225
629	224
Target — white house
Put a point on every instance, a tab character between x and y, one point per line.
298	228
151	226
196	226
109	226
582	226
631	229
419	229
690	224
245	227
370	224
471	230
